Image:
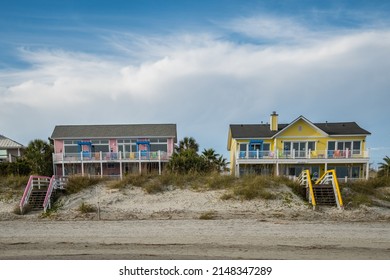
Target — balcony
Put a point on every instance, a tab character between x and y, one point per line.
307	156
140	156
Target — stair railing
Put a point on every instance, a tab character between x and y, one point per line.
52	185
305	180
26	194
331	177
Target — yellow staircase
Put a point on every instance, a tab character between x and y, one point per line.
325	191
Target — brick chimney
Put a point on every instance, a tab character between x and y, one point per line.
273	121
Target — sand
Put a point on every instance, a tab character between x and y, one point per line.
170	225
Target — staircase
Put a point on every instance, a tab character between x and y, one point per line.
37	197
324	195
38	192
325	191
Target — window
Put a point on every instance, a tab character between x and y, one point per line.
300	148
158	147
243	147
353	146
127	145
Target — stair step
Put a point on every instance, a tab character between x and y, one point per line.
324	195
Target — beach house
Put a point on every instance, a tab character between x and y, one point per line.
288	148
112	150
10	150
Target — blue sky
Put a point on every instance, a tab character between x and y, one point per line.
200	64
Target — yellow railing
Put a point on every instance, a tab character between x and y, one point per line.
331	175
305	179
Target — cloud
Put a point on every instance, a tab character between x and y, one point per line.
203	81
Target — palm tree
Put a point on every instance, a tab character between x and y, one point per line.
221	163
384	167
187	143
210	155
38	155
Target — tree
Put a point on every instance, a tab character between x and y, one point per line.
384	167
187	143
210	155
38	155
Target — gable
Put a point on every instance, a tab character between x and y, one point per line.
301	128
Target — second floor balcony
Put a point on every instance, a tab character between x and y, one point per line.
110	157
302	154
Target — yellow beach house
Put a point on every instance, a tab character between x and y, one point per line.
287	149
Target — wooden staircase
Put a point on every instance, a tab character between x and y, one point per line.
37	197
324	195
39	191
325	191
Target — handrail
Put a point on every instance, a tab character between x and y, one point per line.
46	202
306	154
304	178
330	176
28	190
26	194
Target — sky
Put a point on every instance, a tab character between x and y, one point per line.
199	64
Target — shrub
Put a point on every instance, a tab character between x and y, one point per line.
77	183
207	216
216	181
12	186
154	186
86	208
26	209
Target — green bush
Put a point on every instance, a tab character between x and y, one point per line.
77	183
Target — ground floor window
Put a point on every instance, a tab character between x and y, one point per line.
347	171
257	169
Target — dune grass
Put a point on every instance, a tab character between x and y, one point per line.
12	187
365	192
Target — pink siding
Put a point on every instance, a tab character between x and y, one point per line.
58	146
113	146
170	146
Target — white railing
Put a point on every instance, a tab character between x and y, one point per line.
307	154
111	156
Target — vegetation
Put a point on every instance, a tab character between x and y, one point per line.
86	208
77	183
365	192
38	155
37	160
12	187
186	159
26	208
207	216
384	167
20	167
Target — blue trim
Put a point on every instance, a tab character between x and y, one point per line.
147	143
255	142
84	143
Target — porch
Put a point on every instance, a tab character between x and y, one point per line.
287	162
108	163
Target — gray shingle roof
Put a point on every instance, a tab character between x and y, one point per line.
8	143
263	130
114	130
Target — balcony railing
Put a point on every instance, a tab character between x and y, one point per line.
308	154
111	156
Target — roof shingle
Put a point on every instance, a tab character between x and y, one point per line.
116	131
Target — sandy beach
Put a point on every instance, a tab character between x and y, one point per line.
172	225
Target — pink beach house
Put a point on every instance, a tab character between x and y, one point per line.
112	150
